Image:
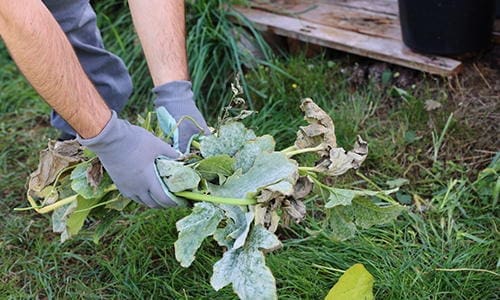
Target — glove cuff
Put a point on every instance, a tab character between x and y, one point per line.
174	95
108	136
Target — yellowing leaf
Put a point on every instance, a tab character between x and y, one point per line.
355	284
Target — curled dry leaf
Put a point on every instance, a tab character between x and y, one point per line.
54	159
320	130
341	161
288	201
95	173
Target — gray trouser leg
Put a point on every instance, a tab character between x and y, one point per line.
105	70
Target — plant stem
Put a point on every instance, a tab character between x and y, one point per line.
60	203
195	145
291	148
293	152
215	199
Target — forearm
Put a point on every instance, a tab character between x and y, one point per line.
46	58
160	25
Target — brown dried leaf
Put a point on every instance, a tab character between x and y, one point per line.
340	162
293	210
95	173
302	188
320	130
54	159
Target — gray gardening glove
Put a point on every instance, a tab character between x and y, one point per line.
177	98
128	154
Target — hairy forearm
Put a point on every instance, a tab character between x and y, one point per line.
45	57
160	25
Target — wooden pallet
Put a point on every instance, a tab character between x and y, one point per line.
368	28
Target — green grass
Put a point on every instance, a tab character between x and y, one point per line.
445	247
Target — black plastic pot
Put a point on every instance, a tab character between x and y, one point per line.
446	26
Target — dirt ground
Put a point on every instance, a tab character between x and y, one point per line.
473	96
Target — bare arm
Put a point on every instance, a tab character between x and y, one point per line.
45	56
160	25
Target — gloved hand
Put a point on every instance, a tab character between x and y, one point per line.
128	154
177	98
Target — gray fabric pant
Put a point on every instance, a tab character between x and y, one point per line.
105	70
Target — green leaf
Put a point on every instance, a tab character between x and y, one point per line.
368	214
398	182
193	229
81	185
60	217
245	267
77	218
176	176
342	220
118	202
105	224
216	166
335	196
251	150
68	219
230	138
339	224
268	169
355	284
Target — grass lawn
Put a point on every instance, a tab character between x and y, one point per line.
445	246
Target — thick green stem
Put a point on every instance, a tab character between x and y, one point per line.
196	145
215	199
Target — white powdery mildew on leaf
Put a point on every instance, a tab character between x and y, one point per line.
176	176
268	169
342	220
245	267
339	224
193	229
251	150
230	138
368	214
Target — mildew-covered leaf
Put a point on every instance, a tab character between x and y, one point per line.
237	225
368	214
268	169
245	267
194	228
228	140
342	220
253	148
176	176
339	224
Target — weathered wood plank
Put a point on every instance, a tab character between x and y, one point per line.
386	7
383	49
338	16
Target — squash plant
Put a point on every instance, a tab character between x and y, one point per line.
239	187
